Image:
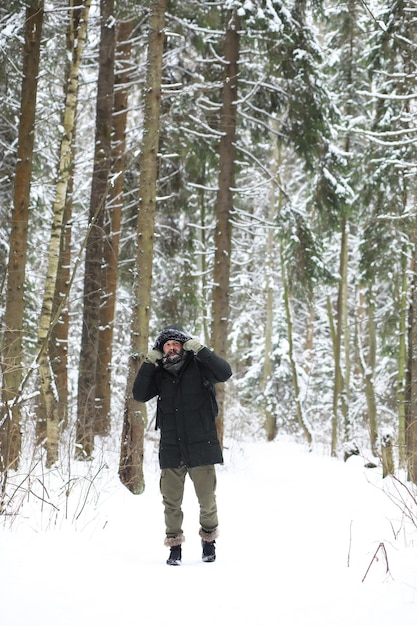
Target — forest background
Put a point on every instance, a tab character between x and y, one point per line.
245	169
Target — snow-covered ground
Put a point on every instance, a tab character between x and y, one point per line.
298	537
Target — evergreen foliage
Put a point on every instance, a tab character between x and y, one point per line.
325	149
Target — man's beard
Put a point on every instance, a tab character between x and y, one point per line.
174	361
173	356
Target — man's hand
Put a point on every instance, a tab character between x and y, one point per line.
192	345
153	356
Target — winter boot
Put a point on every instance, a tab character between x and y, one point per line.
208	544
174	544
209	551
174	556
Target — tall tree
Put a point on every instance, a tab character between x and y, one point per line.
275	201
188	164
12	349
388	195
131	456
58	344
411	389
346	79
46	321
341	332
90	363
367	355
299	404
402	354
224	201
112	221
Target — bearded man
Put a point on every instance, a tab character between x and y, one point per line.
183	373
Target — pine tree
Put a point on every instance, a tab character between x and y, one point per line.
12	348
224	200
113	214
131	456
388	238
90	364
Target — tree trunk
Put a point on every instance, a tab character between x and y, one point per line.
301	418
113	221
46	321
347	423
12	352
131	456
224	202
411	413
87	423
270	264
58	345
368	367
340	329
402	359
335	414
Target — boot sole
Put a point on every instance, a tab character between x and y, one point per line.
209	559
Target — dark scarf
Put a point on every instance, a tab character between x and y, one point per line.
174	365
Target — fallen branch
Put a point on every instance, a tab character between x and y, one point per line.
375	558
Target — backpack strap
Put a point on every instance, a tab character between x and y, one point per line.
211	388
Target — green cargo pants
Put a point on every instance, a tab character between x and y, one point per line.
172	490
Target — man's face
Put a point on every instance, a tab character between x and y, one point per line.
172	348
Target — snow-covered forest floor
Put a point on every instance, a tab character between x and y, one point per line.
299	533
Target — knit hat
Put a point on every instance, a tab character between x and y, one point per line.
171	333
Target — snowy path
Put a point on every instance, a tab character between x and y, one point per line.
289	522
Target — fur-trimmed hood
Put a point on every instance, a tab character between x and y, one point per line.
171	333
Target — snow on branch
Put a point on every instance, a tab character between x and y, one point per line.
388	96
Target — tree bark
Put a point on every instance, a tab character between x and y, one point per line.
88	423
58	344
340	329
46	321
113	221
368	365
12	351
224	202
270	264
134	419
411	413
301	418
402	358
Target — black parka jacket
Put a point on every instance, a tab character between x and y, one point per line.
186	407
